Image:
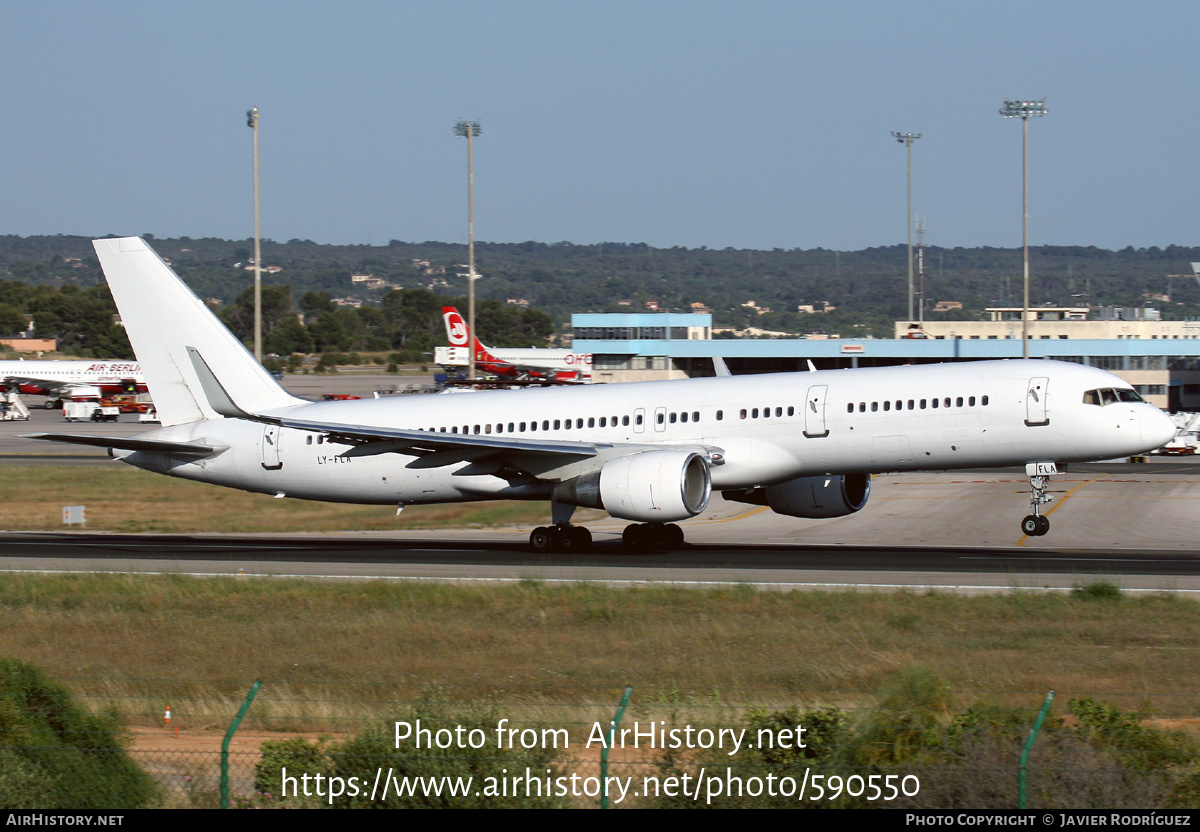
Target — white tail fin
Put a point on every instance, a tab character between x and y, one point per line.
169	327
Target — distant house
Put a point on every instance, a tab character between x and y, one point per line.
30	344
946	305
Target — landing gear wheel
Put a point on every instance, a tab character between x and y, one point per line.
541	539
51	404
644	536
561	538
581	538
568	538
1035	525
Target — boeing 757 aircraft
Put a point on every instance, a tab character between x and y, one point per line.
804	444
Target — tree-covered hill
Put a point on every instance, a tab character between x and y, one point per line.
867	288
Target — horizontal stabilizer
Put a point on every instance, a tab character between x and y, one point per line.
157	446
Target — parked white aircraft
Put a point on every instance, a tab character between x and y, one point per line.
57	379
804	444
562	366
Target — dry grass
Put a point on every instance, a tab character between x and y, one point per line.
124	499
345	649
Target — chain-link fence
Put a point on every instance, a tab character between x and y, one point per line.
113	744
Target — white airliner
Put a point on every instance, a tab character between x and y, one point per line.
804	444
57	379
563	366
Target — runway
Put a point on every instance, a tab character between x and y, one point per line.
729	545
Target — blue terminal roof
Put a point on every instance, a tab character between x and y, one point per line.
948	350
641	319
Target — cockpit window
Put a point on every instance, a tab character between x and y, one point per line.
1110	395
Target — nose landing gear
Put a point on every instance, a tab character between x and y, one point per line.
1036	525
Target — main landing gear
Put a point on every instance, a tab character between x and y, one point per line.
561	537
641	536
1036	525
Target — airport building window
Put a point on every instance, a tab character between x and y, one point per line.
720	415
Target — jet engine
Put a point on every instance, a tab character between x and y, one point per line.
811	497
653	487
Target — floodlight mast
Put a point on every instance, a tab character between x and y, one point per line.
470	129
252	122
1024	110
907	140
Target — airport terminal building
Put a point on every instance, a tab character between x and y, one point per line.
1161	359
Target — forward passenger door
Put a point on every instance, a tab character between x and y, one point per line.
814	412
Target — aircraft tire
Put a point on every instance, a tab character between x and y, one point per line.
674	536
1043	525
581	538
634	537
541	539
1032	526
51	405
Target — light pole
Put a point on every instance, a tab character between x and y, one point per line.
907	140
1023	110
252	122
470	129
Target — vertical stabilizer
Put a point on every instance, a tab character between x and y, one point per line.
168	325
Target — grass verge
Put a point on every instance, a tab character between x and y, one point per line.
124	499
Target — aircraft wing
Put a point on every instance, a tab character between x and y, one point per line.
375	440
160	446
48	384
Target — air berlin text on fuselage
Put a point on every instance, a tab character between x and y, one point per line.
114	368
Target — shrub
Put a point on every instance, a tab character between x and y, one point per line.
55	755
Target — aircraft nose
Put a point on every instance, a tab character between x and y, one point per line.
1156	428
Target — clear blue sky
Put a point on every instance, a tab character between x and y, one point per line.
750	124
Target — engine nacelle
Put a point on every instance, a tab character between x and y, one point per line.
652	486
810	497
